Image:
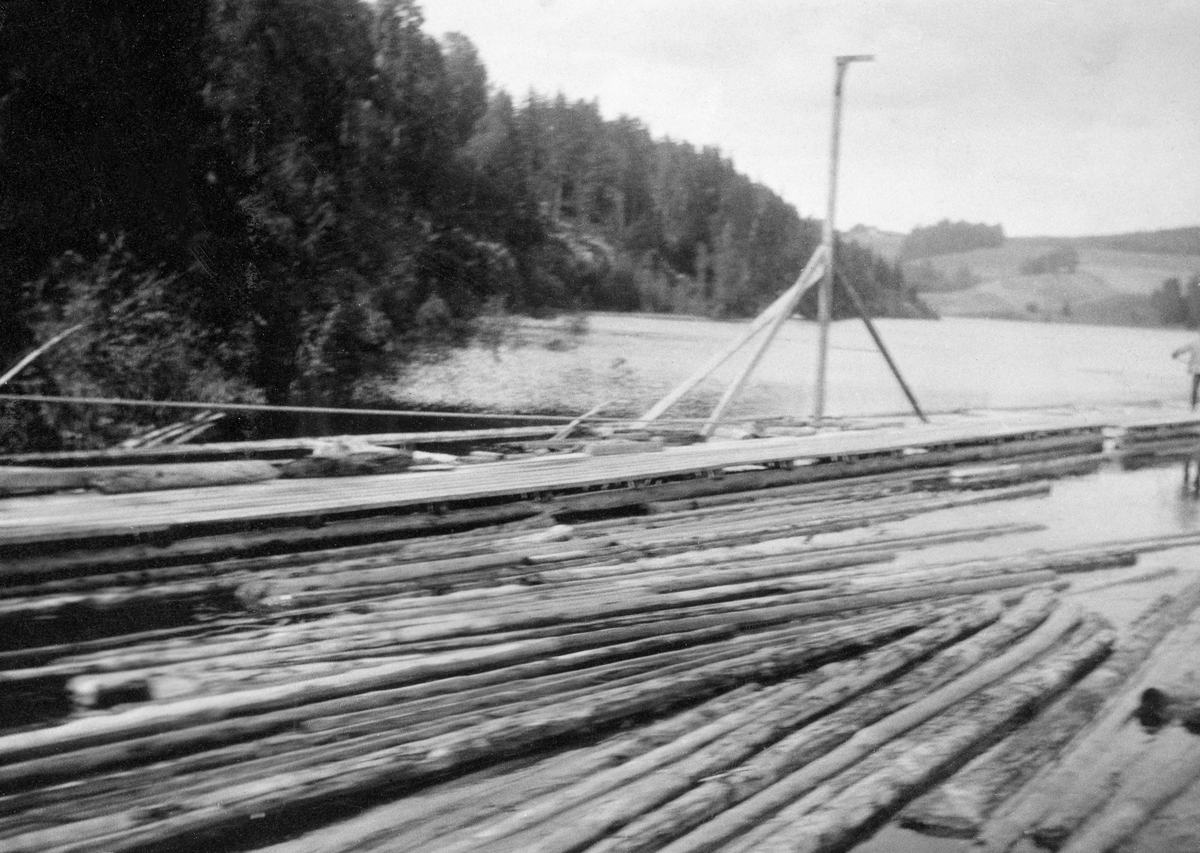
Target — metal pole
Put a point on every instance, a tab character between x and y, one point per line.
887	356
825	293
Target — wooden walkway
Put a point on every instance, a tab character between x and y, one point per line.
74	516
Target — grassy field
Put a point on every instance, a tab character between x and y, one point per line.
1109	287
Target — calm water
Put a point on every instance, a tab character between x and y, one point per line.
951	364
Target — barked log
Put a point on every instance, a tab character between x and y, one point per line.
1171	829
332	642
207	677
534	810
711	798
753	811
87	798
1168	768
813	826
322	633
203	821
606	802
961	805
822	519
416	819
568	654
307	748
140	722
1058	801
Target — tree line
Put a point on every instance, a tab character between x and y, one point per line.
270	200
946	238
1062	258
1178	303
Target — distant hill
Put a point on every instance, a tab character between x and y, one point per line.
1170	241
884	243
1109	285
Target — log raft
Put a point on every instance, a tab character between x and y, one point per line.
765	644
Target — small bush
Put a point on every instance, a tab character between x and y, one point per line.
137	341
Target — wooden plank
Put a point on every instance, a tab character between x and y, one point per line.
61	517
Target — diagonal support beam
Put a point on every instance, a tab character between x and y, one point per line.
786	303
887	356
814	272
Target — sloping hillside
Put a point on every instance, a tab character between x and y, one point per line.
886	244
1108	286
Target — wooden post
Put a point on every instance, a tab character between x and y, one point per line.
825	294
875	336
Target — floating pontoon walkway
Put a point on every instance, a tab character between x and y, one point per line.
55	518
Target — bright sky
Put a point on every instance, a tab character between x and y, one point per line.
1052	117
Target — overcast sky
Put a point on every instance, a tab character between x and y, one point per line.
1052	117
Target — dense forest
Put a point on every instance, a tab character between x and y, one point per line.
270	200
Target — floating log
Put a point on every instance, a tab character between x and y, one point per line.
961	805
310	747
200	820
148	720
612	799
421	817
1169	767
1170	829
823	823
1068	792
753	811
710	798
295	725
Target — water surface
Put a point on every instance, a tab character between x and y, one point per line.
951	364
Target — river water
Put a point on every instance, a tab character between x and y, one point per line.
951	364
